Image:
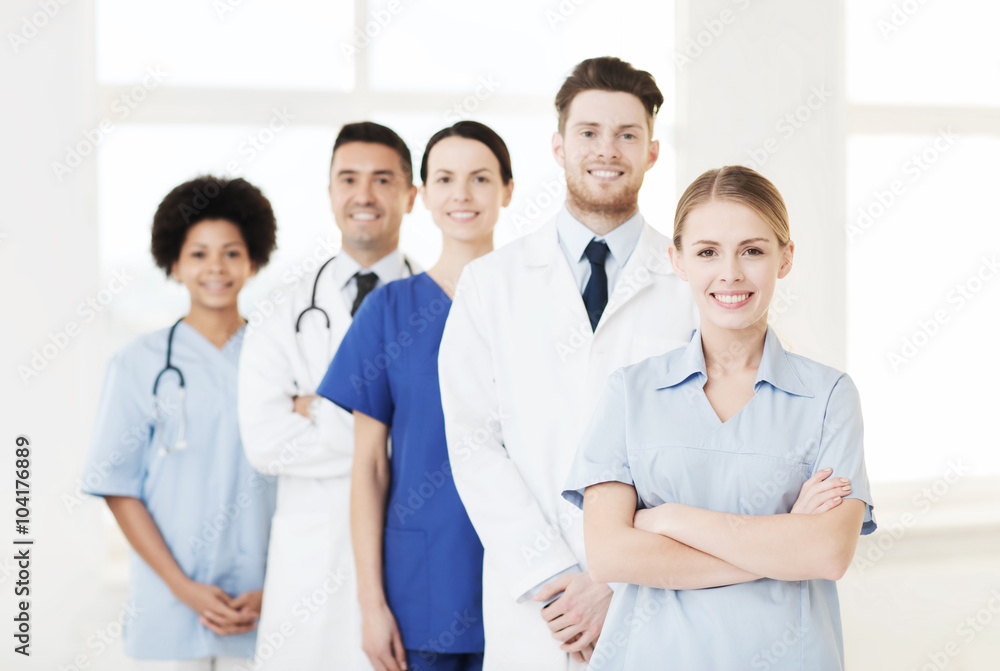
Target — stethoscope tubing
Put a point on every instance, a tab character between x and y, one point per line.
180	443
312	301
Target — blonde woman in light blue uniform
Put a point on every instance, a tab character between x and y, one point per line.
723	446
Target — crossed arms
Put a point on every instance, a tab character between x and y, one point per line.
674	546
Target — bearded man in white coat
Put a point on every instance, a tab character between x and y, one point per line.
536	328
310	617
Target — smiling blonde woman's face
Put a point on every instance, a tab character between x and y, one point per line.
733	260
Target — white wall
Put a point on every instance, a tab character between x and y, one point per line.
743	67
48	266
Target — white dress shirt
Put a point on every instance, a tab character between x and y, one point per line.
574	238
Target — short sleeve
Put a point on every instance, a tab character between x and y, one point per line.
842	445
358	376
116	465
602	455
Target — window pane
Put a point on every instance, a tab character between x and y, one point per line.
463	52
923	53
286	45
522	46
924	292
172	154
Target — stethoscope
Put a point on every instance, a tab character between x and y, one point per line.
312	301
181	443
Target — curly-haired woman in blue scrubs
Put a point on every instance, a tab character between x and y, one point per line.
722	445
419	560
166	453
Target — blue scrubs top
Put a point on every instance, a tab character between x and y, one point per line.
386	368
655	429
213	510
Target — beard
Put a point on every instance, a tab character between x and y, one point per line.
612	203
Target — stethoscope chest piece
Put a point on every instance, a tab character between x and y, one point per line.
181	442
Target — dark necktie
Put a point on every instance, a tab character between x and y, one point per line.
366	282
595	295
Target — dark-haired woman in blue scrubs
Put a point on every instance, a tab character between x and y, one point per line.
419	560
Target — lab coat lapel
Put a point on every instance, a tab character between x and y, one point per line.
546	265
649	259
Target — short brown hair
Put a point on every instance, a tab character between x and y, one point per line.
735	184
375	133
608	73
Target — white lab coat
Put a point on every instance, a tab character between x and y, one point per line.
521	371
310	617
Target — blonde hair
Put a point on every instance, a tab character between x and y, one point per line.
736	184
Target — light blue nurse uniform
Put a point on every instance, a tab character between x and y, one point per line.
213	510
654	429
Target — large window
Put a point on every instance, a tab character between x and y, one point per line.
215	102
923	130
924	241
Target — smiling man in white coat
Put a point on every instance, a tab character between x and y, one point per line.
536	328
310	616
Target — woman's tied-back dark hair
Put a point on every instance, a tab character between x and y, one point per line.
472	130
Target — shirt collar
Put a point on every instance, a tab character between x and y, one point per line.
690	362
388	268
775	368
621	241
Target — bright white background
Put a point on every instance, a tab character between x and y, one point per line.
887	225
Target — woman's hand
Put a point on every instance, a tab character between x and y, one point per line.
581	655
821	493
248	604
215	608
645	520
380	639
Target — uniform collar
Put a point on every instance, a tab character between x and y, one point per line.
691	361
575	236
775	368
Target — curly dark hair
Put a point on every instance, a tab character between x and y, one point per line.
209	197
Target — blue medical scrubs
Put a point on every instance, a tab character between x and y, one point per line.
655	429
213	510
386	368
